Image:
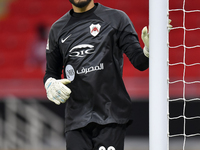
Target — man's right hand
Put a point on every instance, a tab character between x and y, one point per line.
56	90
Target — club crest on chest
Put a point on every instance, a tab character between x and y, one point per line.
95	29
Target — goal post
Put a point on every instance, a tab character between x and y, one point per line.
158	75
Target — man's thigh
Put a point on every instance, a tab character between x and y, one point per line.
78	140
96	137
110	137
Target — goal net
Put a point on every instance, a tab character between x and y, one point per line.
184	74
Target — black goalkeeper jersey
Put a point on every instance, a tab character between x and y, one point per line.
89	48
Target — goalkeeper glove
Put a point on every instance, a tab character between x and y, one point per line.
56	90
169	25
145	38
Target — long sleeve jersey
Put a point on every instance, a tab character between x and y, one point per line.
89	48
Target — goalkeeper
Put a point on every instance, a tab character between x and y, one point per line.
88	43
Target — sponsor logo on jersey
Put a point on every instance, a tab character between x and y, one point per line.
70	73
64	39
95	29
91	69
81	50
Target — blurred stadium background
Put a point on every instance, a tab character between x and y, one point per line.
27	119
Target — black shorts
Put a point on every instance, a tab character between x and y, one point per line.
97	137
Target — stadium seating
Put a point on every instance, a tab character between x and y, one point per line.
17	31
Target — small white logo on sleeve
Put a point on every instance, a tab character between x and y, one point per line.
70	73
47	47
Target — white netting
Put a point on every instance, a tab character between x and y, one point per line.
184	71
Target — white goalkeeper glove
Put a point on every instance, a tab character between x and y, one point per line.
56	90
145	38
169	25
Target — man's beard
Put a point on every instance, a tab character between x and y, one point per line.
80	4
